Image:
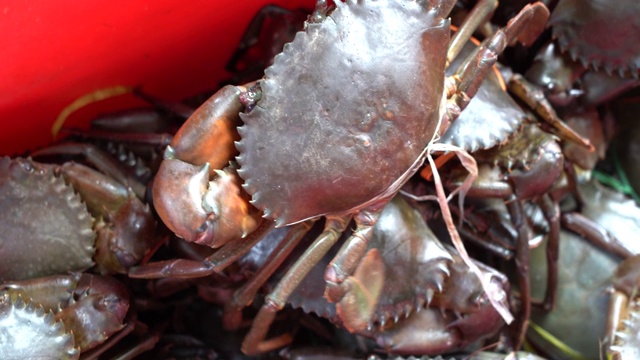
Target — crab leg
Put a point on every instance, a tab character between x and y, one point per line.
254	341
245	294
210	133
595	234
525	27
551	212
203	146
519	326
535	99
621	314
160	140
175	108
184	268
479	14
98	158
349	255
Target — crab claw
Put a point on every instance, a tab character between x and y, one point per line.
465	296
424	332
236	217
458	316
177	196
206	212
363	290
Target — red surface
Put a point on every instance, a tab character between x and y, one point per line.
56	51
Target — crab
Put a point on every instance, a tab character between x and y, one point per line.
526	168
526	165
267	33
62	316
584	275
583	67
592	242
322	133
48	230
594	56
599	34
430	301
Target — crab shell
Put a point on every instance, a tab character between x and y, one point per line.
91	307
414	262
600	33
346	112
27	331
491	103
45	227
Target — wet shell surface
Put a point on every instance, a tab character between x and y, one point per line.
28	332
347	108
600	33
416	267
520	151
491	117
46	229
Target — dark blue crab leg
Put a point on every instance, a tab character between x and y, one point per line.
254	342
245	294
279	26
151	139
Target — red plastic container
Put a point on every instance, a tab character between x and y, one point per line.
54	52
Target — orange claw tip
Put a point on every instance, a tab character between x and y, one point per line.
177	195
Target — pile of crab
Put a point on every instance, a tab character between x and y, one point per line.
391	186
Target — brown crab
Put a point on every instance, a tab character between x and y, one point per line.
600	34
591	60
48	230
524	169
593	40
430	302
323	130
61	316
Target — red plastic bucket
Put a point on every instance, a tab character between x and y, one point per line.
54	52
